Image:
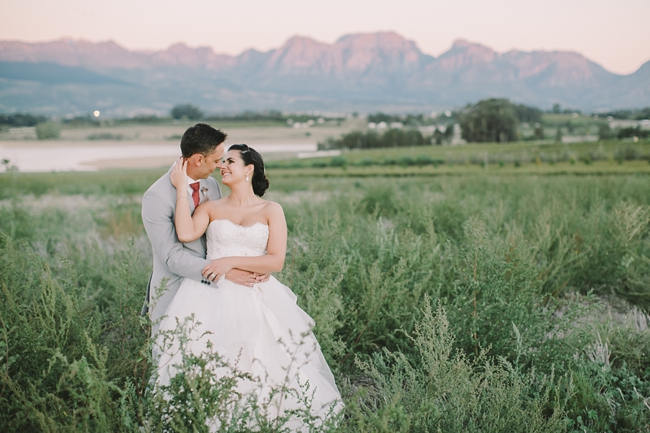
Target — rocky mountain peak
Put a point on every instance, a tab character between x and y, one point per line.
473	50
373	65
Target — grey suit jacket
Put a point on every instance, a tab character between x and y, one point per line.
172	259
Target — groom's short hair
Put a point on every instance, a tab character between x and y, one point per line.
201	138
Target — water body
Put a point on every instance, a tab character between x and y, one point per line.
34	156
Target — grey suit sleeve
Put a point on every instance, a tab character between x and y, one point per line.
158	222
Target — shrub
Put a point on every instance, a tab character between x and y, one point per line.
371	139
48	130
21	119
627	153
439	389
604	132
186	111
490	120
105	136
633	132
338	161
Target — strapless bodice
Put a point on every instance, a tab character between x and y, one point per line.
225	238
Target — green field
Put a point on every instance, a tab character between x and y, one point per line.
538	157
464	299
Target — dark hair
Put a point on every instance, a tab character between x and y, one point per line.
251	156
200	138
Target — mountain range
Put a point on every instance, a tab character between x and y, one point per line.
359	72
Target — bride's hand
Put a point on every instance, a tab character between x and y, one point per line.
216	268
178	175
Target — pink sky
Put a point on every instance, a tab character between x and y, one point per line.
614	34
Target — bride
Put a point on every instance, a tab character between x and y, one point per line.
259	331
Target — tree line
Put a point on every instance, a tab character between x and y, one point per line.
390	138
490	120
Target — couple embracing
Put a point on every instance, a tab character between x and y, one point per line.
213	257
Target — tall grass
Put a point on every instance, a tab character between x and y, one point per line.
491	304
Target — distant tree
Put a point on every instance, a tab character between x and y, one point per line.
528	114
558	135
490	120
633	132
414	120
371	139
402	138
252	116
439	135
631	114
411	120
642	114
556	108
569	126
186	111
604	132
86	120
48	130
539	132
449	133
380	117
20	119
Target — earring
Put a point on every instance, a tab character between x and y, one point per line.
246	178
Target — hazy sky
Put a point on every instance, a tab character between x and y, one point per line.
613	33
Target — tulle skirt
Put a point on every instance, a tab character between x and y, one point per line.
261	336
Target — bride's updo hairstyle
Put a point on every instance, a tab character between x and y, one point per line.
251	156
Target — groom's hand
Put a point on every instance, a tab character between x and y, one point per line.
262	278
244	278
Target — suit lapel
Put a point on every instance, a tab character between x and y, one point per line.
213	190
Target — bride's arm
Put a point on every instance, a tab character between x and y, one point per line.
188	227
272	261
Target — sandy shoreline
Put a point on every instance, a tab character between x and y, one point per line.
44	156
143	145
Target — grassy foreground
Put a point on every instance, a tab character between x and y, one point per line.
478	303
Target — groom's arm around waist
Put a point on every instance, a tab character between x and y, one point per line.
157	217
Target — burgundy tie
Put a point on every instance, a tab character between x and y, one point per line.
195	192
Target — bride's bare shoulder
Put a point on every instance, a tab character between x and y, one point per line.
272	206
273	210
215	206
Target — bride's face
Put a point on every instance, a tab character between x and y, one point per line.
233	169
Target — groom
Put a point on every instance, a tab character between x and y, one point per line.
202	146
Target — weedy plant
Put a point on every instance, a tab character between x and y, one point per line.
452	304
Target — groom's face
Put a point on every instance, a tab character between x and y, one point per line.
204	165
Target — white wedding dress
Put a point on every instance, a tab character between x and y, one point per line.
260	330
